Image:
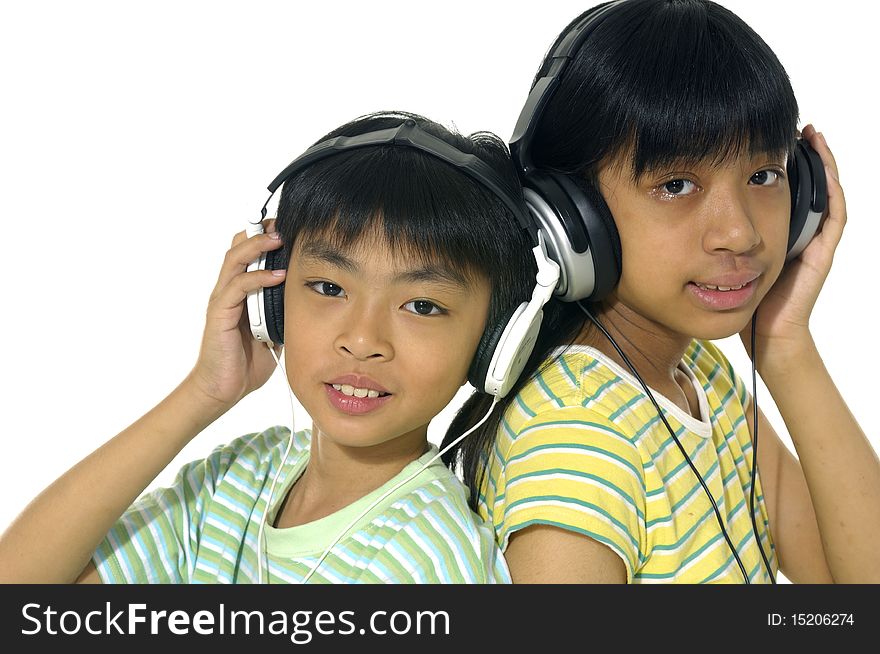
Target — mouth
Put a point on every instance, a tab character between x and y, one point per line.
710	287
355	395
353	391
732	294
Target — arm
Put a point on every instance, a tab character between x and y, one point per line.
574	499
54	537
542	554
825	509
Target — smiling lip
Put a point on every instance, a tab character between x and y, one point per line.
356	406
358	381
719	300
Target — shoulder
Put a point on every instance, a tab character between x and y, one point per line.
442	538
591	437
569	377
438	496
250	455
579	398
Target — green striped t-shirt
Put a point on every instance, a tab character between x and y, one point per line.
582	447
204	527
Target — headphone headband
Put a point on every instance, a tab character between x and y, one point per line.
408	134
542	91
504	347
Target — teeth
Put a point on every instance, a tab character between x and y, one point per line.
346	389
709	287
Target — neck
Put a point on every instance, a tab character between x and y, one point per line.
653	350
338	475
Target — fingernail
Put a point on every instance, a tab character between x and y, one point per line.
279	273
274	235
830	172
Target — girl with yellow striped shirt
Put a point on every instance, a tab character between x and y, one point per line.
659	149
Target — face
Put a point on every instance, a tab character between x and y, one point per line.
702	244
377	344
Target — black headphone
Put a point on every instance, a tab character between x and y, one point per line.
504	347
582	237
577	223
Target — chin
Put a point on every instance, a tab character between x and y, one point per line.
720	325
349	438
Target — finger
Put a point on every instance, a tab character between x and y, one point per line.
836	205
831	229
820	145
268	226
243	254
228	303
238	238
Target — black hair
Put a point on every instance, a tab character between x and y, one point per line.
660	81
424	207
666	81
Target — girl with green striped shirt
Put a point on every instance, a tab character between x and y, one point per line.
389	285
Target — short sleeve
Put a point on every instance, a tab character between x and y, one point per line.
437	539
155	539
571	468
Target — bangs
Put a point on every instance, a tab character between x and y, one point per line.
712	97
413	203
680	81
332	243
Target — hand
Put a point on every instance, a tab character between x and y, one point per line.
231	362
782	329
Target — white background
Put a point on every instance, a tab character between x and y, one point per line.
136	139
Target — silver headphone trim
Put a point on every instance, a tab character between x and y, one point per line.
811	226
577	276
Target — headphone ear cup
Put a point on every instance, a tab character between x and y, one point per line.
603	235
580	233
809	196
273	297
479	369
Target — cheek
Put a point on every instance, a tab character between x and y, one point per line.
777	236
651	258
303	338
440	361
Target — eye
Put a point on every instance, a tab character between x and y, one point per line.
423	308
326	288
766	177
677	187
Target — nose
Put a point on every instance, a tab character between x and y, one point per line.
365	336
731	224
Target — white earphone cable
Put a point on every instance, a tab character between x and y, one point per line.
261	552
394	488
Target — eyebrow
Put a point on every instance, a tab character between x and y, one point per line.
429	273
323	253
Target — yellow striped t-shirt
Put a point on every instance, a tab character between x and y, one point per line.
583	448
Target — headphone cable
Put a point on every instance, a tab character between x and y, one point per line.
261	552
394	488
755	451
674	437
